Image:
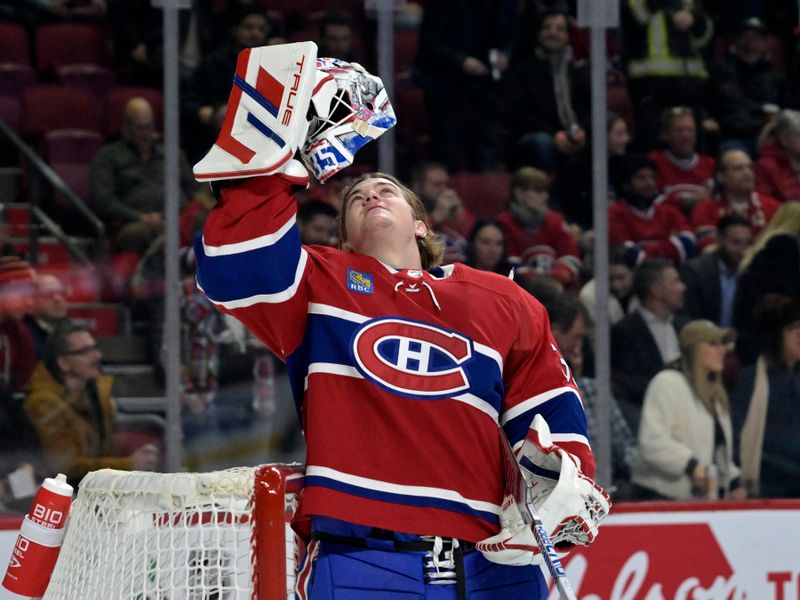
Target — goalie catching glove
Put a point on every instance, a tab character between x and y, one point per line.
285	102
570	504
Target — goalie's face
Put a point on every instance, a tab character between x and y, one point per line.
378	206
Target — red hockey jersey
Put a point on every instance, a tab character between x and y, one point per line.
709	211
683	183
401	376
549	250
661	231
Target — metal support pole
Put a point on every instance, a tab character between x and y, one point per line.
598	15
386	157
174	433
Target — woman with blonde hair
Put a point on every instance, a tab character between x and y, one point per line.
770	266
685	434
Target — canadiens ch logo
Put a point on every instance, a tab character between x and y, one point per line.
412	358
359	282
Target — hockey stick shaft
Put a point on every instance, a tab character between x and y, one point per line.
521	491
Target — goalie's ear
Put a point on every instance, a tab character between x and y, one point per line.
420	229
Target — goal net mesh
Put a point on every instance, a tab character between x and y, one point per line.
182	536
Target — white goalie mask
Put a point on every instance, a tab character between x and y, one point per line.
348	115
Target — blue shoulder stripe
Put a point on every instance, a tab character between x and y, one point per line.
266	270
563	413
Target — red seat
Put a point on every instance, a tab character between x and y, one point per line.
66	43
51	254
117	99
49	107
69	153
485	194
18	215
94	78
15	77
72	145
14	43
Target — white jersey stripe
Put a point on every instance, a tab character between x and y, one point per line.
331	369
253	244
316	308
275	298
479	403
535	401
405	490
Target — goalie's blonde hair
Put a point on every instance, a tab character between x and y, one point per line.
431	249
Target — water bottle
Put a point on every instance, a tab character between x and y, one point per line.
39	541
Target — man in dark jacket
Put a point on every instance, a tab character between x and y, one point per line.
712	277
462	55
646	340
745	89
548	98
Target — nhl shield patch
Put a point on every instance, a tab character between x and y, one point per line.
359	282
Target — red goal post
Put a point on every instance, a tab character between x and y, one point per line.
181	536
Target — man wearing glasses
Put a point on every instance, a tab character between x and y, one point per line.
69	403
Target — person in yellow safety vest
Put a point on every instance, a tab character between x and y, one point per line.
663	42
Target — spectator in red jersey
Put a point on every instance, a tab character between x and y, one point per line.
737	196
711	278
447	213
537	238
684	176
778	164
639	220
486	248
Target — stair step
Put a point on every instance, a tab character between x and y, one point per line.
124	349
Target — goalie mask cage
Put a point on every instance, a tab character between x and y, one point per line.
181	536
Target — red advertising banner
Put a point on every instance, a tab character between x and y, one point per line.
692	551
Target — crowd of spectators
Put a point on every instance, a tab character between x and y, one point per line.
703	210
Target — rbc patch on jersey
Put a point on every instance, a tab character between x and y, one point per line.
359	282
413	359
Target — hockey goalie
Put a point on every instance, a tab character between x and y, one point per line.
404	371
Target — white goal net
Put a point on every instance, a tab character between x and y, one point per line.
182	536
